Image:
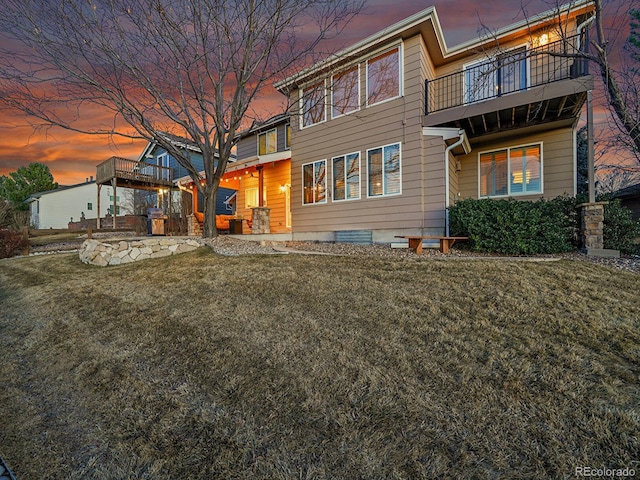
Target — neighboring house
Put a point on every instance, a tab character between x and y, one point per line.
156	156
391	131
630	198
56	208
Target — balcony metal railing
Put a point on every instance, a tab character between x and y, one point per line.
507	72
116	167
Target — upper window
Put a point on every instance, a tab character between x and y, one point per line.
314	182
512	171
384	170
345	91
506	73
268	142
313	104
287	137
346	177
163	161
383	76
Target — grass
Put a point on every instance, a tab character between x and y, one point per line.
283	367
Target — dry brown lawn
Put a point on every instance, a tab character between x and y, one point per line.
305	367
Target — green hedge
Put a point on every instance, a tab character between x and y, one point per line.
516	227
619	229
545	226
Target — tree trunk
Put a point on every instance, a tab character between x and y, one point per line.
211	192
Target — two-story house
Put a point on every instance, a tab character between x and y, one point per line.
391	131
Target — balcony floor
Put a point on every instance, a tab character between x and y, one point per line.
556	102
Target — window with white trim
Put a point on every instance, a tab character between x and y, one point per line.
345	92
163	161
346	177
313	104
251	197
287	137
268	142
511	171
314	182
383	76
384	171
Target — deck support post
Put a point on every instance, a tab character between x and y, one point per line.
114	182
98	212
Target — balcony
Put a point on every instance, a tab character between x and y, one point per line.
517	88
133	174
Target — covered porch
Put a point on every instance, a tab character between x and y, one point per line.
252	213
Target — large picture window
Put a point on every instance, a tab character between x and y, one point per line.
345	92
268	142
384	170
346	177
313	104
383	76
314	182
511	171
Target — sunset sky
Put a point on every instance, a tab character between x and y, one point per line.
72	157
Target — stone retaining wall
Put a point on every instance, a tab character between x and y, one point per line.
117	252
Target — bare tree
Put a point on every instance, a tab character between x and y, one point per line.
187	67
620	79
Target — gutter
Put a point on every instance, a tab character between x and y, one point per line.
447	134
462	138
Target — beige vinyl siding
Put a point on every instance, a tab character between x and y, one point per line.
557	164
395	121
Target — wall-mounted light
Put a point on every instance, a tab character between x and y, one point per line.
541	40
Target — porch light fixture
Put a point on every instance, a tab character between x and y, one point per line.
541	40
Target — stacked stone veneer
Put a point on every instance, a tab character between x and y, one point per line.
100	253
592	225
194	228
260	220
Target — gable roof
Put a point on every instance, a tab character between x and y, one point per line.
37	195
177	141
280	118
427	23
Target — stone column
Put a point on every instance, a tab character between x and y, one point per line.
592	215
260	219
193	226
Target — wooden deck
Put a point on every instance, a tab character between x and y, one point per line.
133	174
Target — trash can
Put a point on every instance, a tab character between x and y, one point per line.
155	221
235	226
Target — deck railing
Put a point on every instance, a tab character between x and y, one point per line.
507	72
117	167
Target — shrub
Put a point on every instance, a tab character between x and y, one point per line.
619	229
11	242
516	227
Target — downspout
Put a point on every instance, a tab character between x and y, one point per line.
447	201
581	27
